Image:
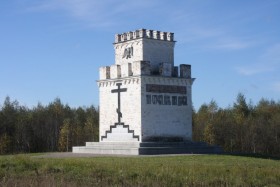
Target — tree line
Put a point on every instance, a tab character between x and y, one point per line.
55	127
241	128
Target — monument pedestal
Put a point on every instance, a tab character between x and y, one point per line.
147	148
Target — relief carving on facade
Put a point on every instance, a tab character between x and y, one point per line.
128	52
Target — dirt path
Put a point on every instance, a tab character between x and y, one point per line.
87	155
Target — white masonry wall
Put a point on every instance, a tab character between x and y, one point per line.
158	51
145	49
166	121
137	51
130	108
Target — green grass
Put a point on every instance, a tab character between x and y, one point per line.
196	170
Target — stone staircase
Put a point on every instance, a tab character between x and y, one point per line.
147	148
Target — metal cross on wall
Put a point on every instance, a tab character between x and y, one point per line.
119	90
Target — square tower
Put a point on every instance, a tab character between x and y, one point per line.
143	97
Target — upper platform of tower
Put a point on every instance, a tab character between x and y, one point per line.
144	45
144	52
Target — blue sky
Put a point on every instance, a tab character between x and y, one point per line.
54	48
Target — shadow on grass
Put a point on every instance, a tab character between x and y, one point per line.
254	155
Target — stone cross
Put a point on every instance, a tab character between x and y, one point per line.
119	90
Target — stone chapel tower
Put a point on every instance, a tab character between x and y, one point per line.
143	96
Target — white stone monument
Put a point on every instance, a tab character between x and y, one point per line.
145	101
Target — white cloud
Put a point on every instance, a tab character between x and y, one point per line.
267	62
213	32
94	12
214	38
85	10
230	44
253	69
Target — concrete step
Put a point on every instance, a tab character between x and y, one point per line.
170	150
172	144
113	145
146	144
106	151
147	148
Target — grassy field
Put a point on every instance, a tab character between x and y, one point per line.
195	170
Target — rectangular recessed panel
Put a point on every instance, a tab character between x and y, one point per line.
156	88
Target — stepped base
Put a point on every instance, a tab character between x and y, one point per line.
147	148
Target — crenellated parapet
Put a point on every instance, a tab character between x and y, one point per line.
144	33
144	68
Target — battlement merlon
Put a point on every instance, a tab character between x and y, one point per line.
144	33
144	68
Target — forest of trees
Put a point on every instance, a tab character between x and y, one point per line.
55	127
241	128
